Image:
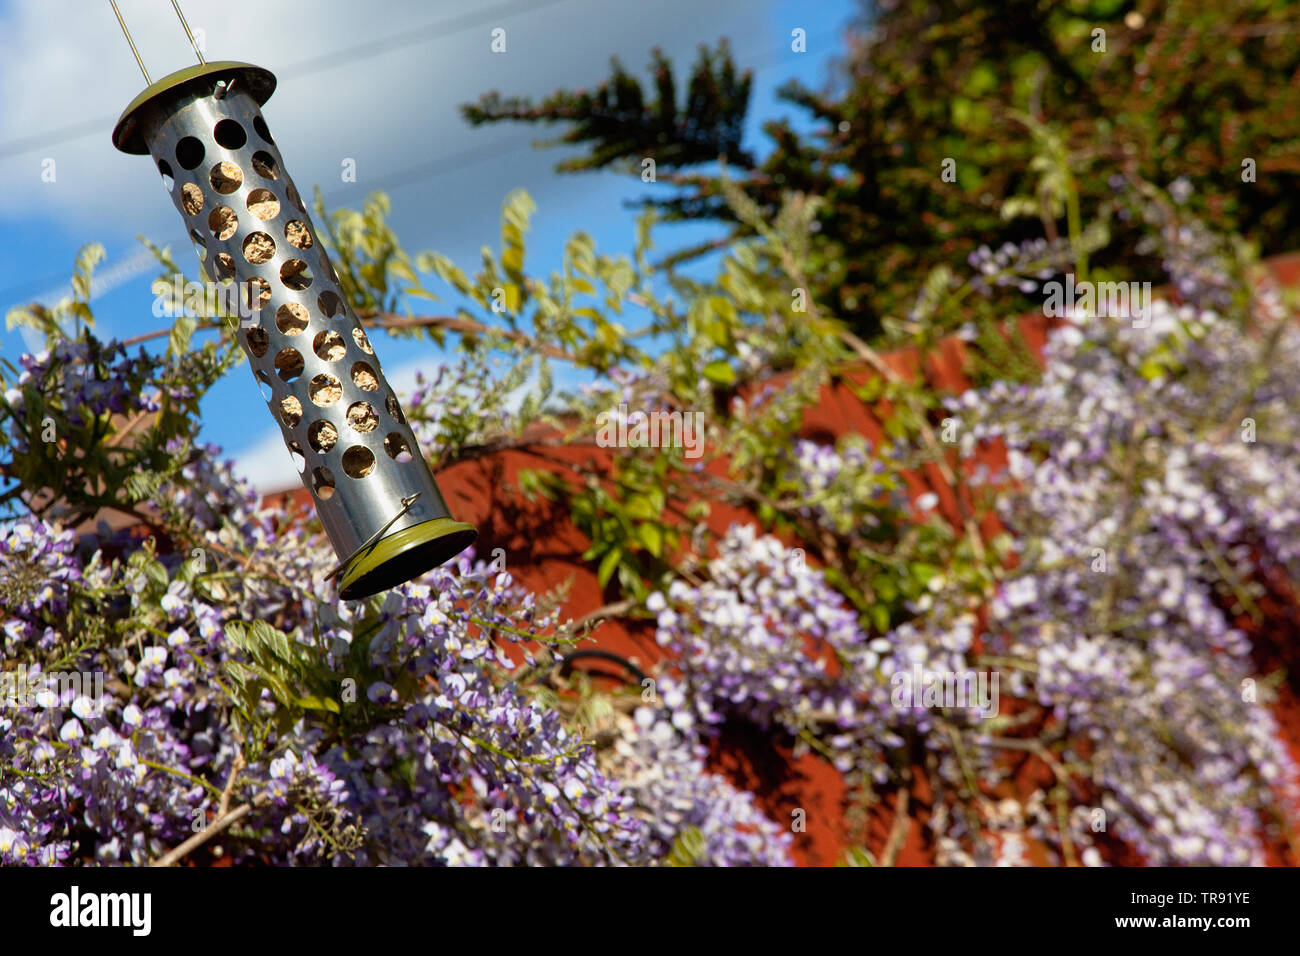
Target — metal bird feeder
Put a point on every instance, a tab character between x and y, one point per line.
343	426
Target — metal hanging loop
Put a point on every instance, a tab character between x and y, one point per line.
373	539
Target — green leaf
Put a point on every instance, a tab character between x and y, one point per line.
720	372
981	80
237	634
512	260
90	255
725	308
278	687
450	273
642	508
687	848
402	270
178	343
924	572
608	564
857	856
311	702
35	317
652	537
156	573
718	332
274	641
518	209
1153	368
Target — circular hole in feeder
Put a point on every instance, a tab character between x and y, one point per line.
394	409
296	232
322	482
229	134
358	461
258	341
256	293
169	181
290	411
191	199
264	382
329	345
362	417
223	266
263	204
259	125
325	390
299	459
397	448
295	275
365	378
322	435
363	342
259	248
289	364
292	192
222	223
264	165
226	177
199	246
330	304
189	152
291	318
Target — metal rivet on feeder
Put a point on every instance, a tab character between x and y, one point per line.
343	425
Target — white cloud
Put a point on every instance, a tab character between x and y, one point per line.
267	463
387	109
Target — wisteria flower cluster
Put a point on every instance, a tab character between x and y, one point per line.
90	380
463	402
1022	266
662	767
1151	462
387	731
766	639
1146	490
1146	498
37	568
845	488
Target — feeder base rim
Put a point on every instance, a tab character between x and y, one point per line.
404	556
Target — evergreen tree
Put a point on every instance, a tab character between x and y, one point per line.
1181	89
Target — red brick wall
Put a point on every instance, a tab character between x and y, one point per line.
543	550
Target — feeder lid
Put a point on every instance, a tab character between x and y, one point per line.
254	80
402	556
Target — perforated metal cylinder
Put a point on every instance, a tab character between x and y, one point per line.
317	369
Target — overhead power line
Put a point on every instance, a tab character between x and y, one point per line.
441	166
316	64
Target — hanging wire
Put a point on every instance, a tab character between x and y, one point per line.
131	43
374	538
197	52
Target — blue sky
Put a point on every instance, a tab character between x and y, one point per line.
379	83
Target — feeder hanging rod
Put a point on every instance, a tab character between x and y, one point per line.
189	34
197	52
131	43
